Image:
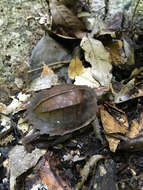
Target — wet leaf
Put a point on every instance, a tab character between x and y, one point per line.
75	68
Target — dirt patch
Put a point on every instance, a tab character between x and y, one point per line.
19	32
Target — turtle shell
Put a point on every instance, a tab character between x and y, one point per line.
62	109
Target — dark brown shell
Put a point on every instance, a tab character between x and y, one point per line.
62	109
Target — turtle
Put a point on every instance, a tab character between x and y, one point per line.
58	112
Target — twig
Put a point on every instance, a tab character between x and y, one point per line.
55	65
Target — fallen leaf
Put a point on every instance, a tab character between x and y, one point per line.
115	48
112	125
136	72
23	97
46	70
98	27
75	68
43	82
48	177
87	79
124	95
15	105
99	58
20	162
118	114
134	130
65	21
82	76
128	91
44	50
136	127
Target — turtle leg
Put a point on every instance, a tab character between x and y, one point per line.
43	143
28	139
97	129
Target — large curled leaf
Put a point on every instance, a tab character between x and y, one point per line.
99	58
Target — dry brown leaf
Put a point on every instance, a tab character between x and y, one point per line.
113	143
136	127
118	114
52	181
111	125
75	68
65	21
46	70
49	179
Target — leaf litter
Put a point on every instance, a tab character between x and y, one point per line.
105	52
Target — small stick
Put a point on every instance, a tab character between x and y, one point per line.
51	65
